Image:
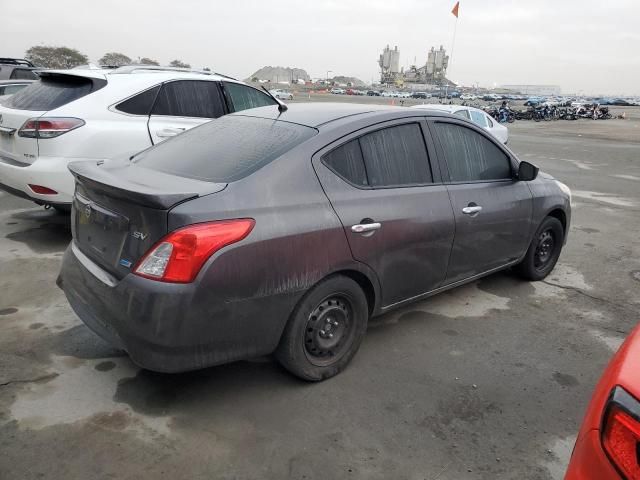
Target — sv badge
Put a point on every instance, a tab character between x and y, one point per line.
139	235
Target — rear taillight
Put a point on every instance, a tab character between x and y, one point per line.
42	190
179	256
51	127
621	433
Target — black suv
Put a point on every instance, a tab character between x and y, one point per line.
17	69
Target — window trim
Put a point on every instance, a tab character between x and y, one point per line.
442	161
426	138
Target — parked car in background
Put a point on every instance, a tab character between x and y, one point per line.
422	95
17	69
373	93
9	87
476	115
467	96
281	94
608	443
185	226
533	101
103	114
337	91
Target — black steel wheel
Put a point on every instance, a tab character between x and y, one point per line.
544	250
325	329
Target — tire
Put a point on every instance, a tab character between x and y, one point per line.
325	329
542	256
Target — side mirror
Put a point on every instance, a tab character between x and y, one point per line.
527	172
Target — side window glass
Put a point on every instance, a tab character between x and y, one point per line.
470	156
396	156
478	118
489	122
189	98
346	162
462	113
244	97
139	104
23	74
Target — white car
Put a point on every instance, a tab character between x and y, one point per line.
338	91
466	96
282	94
71	115
476	115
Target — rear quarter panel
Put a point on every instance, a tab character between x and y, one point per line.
297	241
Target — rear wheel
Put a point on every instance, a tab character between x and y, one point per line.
325	329
543	251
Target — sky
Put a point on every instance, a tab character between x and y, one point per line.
585	46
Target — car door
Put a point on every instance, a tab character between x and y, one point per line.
396	212
184	104
493	210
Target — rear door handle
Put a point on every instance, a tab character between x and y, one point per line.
366	227
170	132
471	210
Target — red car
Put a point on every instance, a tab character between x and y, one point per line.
608	445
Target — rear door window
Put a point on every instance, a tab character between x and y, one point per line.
190	98
470	156
396	156
226	150
141	103
244	97
478	118
51	92
463	114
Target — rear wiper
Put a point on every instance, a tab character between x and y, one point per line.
281	106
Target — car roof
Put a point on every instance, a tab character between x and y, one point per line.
155	74
317	114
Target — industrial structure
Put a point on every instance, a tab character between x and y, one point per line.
432	72
389	63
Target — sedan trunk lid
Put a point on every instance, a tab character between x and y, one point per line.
120	210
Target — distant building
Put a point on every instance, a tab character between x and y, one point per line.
543	90
389	63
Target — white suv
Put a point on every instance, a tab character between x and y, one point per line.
96	114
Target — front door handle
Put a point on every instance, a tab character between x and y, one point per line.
366	227
471	210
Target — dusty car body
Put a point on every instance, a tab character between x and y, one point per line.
308	220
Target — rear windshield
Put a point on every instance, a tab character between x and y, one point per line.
226	149
51	92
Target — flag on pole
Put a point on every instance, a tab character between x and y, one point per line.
455	9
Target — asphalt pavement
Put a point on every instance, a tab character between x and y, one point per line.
488	381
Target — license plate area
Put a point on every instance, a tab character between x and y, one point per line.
99	232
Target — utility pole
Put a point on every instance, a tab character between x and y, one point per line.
328	72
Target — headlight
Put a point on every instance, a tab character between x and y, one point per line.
566	190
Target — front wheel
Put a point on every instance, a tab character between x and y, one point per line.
544	250
325	329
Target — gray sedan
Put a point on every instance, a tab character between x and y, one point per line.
285	231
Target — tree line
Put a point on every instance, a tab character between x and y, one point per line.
64	57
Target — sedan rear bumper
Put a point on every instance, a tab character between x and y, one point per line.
166	327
